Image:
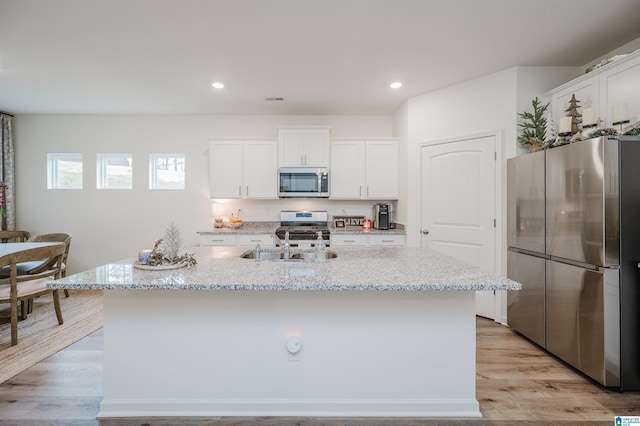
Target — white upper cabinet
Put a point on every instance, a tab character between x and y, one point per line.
603	89
306	147
243	169
382	170
364	170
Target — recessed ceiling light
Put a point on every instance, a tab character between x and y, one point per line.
217	85
395	85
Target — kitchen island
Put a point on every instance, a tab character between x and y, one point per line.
374	332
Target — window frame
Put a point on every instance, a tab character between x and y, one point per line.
153	171
53	169
102	177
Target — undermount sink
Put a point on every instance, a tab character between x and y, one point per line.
276	255
310	255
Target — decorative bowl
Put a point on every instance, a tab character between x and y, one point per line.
234	225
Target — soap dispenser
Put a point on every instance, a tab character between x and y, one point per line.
321	254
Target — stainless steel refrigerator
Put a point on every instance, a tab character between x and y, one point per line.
581	293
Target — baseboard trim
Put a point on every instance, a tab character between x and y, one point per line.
112	408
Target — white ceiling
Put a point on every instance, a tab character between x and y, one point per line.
322	56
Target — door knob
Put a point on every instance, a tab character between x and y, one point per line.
425	231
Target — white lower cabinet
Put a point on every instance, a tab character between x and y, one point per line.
387	240
362	240
265	240
348	240
218	240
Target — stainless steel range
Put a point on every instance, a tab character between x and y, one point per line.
303	227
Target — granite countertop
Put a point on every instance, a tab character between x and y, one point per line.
361	269
270	228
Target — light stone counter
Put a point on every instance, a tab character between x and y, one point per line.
361	269
256	228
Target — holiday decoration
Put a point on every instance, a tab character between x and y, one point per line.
533	126
550	133
576	117
166	250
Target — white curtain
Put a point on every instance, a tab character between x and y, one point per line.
7	171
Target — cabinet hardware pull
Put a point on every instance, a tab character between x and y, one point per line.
387	241
240	190
367	190
247	190
349	241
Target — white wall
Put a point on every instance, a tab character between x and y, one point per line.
485	105
108	225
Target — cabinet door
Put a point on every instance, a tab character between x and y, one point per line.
251	240
586	92
355	240
619	85
387	240
260	169
225	169
218	240
290	148
347	170
382	170
316	148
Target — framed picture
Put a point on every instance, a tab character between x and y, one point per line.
339	223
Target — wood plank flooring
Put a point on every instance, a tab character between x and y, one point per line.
517	384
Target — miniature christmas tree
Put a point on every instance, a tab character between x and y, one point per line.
576	117
550	133
171	243
534	125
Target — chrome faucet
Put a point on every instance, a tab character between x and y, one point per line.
286	245
258	251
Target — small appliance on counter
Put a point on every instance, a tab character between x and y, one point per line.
381	216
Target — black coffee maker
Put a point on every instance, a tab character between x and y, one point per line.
381	216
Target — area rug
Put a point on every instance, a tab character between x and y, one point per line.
40	336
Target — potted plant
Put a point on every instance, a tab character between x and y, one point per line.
534	126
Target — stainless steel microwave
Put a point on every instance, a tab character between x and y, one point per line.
303	182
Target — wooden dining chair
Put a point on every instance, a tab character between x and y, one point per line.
24	287
14	236
58	237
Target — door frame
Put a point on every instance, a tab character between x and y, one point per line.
500	297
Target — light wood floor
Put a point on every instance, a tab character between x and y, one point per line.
517	384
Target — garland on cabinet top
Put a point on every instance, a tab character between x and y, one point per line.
540	132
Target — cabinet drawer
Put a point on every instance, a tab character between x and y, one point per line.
218	240
253	239
348	240
387	240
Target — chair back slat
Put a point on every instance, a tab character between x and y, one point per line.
14	236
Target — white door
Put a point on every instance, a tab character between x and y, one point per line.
458	205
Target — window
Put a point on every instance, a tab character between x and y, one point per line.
64	171
114	171
166	171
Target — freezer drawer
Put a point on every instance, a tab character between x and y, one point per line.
525	202
583	319
525	308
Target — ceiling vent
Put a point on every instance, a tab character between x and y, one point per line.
274	99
